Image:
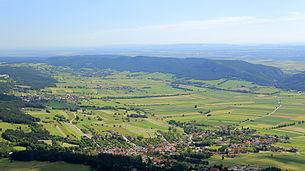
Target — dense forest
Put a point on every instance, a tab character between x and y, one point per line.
100	162
10	110
28	76
295	82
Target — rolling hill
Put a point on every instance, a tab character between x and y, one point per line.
191	68
194	68
294	82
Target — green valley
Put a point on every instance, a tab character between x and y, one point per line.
156	116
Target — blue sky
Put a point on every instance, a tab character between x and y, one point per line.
94	23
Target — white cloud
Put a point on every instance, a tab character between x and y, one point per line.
187	26
213	23
294	16
222	22
205	24
228	29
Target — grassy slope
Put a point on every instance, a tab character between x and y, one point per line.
289	161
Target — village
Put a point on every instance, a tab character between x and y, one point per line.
225	142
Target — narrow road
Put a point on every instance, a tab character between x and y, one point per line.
74	126
274	110
190	139
269	114
81	132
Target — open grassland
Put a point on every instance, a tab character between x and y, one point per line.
4	126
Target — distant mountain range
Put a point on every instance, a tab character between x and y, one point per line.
211	51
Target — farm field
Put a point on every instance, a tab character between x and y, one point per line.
285	161
289	66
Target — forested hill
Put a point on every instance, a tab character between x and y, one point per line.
196	68
28	76
294	82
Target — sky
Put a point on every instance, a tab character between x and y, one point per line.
95	23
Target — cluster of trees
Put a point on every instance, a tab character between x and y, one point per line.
32	139
191	155
61	118
111	141
5	149
62	105
136	116
139	97
176	86
6	87
212	87
12	115
271	169
36	134
187	127
287	124
171	135
206	112
99	162
10	110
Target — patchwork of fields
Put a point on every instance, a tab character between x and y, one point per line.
161	101
285	161
109	102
